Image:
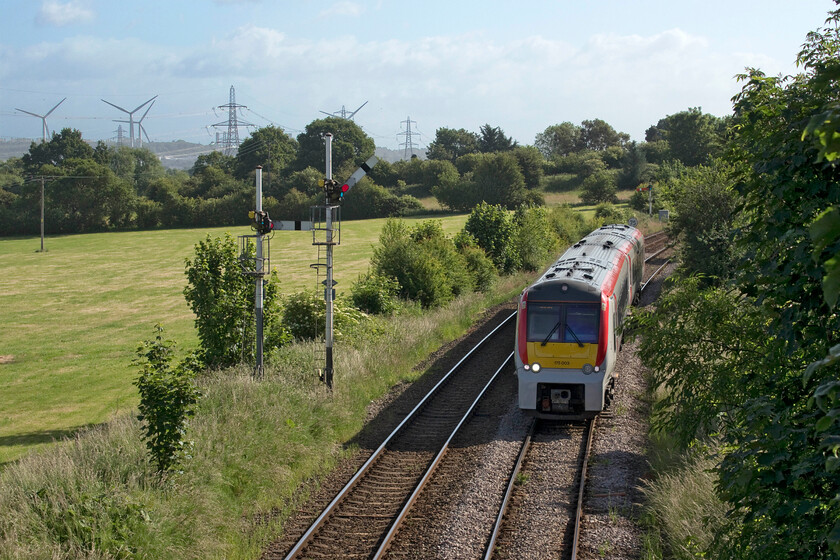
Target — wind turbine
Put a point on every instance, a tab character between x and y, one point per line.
44	130
131	117
140	130
342	114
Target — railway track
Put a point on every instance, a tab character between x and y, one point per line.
541	510
404	500
363	518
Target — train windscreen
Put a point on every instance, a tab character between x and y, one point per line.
563	322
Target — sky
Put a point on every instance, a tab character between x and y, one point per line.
519	65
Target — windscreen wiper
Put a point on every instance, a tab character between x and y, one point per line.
568	328
551	332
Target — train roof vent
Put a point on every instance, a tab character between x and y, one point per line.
550	275
588	276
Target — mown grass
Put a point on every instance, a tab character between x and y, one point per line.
73	316
254	444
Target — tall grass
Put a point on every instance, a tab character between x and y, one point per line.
255	442
683	513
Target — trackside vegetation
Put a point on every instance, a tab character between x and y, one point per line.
743	348
216	460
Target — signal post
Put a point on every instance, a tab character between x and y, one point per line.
333	195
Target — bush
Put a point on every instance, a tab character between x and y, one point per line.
304	314
375	294
480	267
599	187
568	224
535	239
167	399
423	260
494	230
608	213
222	299
368	200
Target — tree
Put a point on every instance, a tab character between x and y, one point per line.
222	299
693	137
495	231
89	197
494	140
706	244
598	135
213	159
450	144
269	147
350	145
67	144
634	167
599	187
531	164
558	140
779	436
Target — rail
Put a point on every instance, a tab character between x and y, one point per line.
363	470
383	548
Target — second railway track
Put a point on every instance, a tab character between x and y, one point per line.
355	523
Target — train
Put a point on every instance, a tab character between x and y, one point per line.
568	324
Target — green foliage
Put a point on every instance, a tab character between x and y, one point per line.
705	236
634	167
167	399
609	213
368	200
92	522
222	299
693	137
304	314
494	230
493	139
647	201
693	343
775	412
350	145
598	135
450	144
568	224
599	187
423	260
535	240
531	164
584	163
63	146
375	294
269	147
558	140
495	179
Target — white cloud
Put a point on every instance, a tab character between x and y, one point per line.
53	12
351	9
522	85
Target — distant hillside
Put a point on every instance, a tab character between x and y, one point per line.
177	154
392	156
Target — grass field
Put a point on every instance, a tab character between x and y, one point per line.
73	316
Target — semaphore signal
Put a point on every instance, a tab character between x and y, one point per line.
263	225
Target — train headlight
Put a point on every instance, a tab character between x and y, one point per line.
535	367
587	369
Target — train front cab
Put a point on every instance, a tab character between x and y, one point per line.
565	351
